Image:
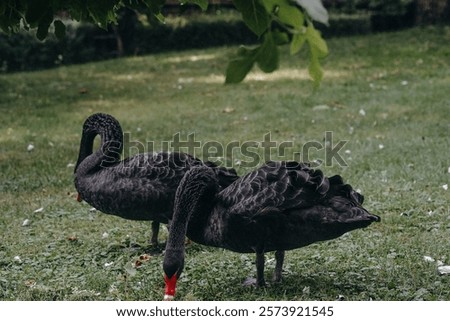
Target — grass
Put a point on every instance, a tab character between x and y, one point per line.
386	94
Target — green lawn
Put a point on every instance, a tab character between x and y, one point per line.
388	95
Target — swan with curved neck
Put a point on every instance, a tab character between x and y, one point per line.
141	187
281	206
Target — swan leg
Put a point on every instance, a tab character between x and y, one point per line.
155	232
279	258
260	282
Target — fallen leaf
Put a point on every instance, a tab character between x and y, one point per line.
72	238
144	257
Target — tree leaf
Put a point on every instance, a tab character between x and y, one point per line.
267	57
315	9
315	69
288	14
60	29
316	41
102	12
297	42
254	14
240	66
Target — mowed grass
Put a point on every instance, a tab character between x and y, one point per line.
387	95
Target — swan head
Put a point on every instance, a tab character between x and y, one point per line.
173	266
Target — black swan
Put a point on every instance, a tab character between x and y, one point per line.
141	187
280	206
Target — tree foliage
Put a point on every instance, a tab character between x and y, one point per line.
276	22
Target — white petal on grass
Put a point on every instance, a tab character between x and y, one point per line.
321	107
108	264
17	259
30	147
362	112
445	269
40	209
445	187
105	235
380	146
404	83
428	258
26	222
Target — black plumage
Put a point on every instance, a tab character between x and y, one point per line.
278	207
141	187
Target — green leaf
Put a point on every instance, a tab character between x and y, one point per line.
240	66
315	69
268	57
254	14
318	49
203	4
60	29
287	14
316	41
102	12
297	42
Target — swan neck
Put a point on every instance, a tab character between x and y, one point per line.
111	136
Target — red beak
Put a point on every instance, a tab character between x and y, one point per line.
79	197
171	284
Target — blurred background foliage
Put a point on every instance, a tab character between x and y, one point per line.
187	27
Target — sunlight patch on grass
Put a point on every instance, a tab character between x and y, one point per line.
279	75
191	58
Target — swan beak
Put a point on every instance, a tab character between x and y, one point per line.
79	197
171	284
